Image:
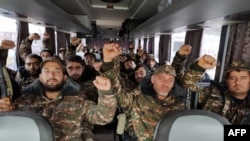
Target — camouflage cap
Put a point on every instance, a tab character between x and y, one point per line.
62	49
150	57
239	65
166	69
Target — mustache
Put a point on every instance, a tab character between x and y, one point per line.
52	79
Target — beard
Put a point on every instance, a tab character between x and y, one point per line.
163	93
34	73
75	77
162	90
53	88
139	80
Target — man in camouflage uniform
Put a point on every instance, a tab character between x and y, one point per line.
76	70
25	47
232	102
65	110
145	110
12	87
30	71
71	49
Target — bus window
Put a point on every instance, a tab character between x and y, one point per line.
9	32
37	45
156	45
210	45
177	41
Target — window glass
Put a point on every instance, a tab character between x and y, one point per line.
210	45
177	41
36	45
9	32
156	47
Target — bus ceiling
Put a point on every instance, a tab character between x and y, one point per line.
140	17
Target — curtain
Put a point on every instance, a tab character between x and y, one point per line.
52	45
67	36
139	42
164	48
193	38
22	33
145	41
238	47
151	46
61	40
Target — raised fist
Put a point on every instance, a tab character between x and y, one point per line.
110	51
75	41
140	52
102	83
46	35
34	36
185	50
207	62
7	44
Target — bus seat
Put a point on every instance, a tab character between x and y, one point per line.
191	125
25	126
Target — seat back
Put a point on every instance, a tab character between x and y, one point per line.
25	126
191	125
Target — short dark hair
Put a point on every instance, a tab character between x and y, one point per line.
142	66
91	54
46	50
53	59
129	59
35	56
75	58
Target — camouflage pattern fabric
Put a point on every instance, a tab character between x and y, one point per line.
215	99
25	46
145	111
239	65
22	81
66	113
91	93
71	50
179	65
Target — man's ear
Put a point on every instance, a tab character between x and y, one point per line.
152	79
65	77
40	77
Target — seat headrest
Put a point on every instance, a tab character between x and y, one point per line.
25	126
191	125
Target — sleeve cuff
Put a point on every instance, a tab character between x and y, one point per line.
107	66
182	57
103	92
196	67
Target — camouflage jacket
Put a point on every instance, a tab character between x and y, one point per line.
216	98
67	112
22	78
145	110
26	45
71	50
179	65
91	93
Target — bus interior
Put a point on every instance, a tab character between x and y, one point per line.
220	28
